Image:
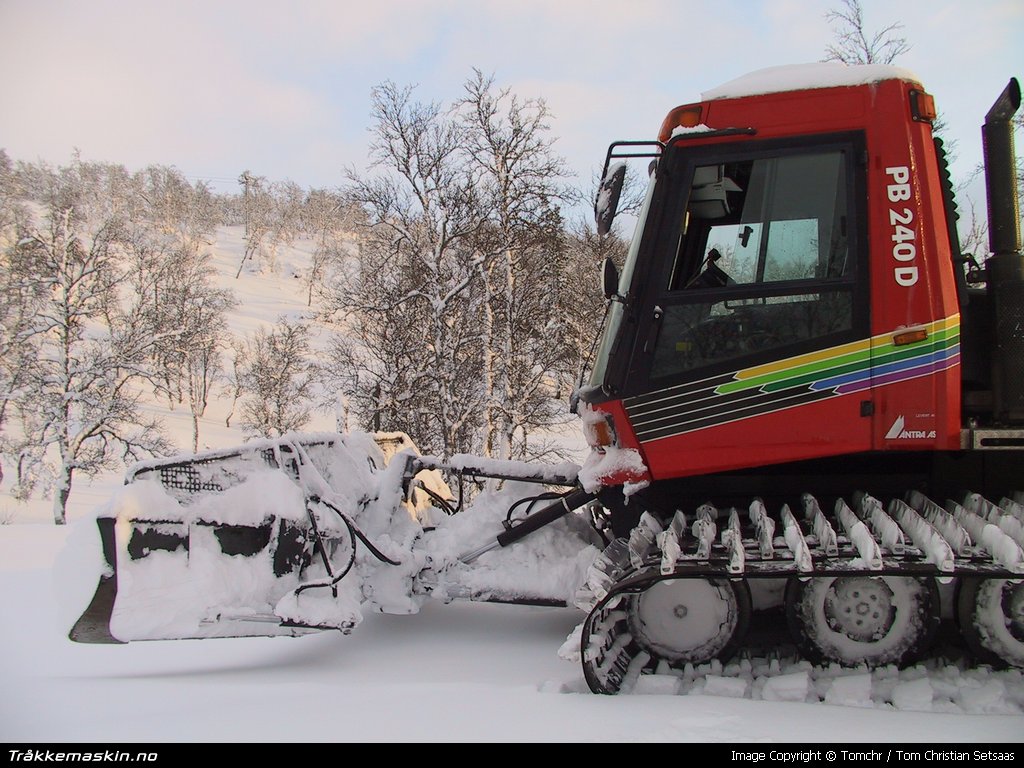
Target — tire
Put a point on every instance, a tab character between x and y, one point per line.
691	620
858	619
990	613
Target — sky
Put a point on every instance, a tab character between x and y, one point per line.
284	89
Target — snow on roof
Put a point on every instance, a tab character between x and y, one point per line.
798	77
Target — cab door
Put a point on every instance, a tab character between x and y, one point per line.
756	339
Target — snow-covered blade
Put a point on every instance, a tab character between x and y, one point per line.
308	532
254	541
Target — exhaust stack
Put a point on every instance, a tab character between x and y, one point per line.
1006	264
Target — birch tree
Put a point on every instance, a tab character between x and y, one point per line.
519	177
411	310
278	378
329	218
82	398
184	213
272	217
19	302
855	44
175	287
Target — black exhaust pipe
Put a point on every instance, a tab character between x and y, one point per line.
1005	266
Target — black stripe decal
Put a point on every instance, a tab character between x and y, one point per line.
775	402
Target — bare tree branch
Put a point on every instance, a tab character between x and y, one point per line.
855	44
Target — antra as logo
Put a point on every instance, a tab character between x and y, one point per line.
898	431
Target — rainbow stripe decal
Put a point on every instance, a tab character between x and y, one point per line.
795	381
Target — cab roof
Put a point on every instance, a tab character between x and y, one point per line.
799	77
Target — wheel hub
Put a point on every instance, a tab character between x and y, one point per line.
860	608
684	620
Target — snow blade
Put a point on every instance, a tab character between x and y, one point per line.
256	541
93	626
307	533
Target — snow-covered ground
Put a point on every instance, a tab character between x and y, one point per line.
458	672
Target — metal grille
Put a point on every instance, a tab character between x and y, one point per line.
215	473
185	477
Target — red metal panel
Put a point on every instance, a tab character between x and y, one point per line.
805	432
911	283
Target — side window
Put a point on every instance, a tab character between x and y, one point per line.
762	261
738	244
764	220
792	251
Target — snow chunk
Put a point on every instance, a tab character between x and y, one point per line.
681	130
613	463
318	607
146	501
659	685
791	687
570	649
799	77
732	687
260	498
914	694
850	691
989	698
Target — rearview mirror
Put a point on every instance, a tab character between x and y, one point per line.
607	202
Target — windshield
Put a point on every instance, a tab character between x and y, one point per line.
613	320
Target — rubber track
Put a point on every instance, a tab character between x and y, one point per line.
612	657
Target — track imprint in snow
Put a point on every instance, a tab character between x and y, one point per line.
931	687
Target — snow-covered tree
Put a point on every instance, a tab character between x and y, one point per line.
278	378
174	286
183	212
10	207
411	312
82	394
19	302
329	218
272	214
519	181
455	315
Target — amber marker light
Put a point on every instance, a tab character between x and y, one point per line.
686	116
903	338
922	106
601	433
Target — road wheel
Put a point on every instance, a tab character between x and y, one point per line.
874	620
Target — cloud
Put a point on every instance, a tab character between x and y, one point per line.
149	83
